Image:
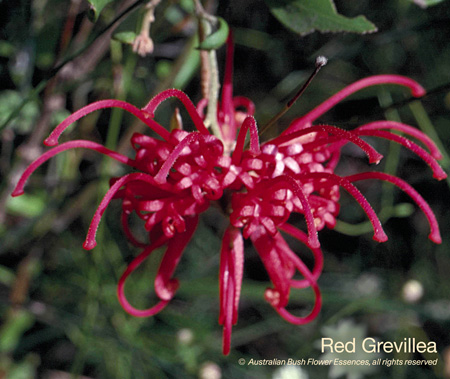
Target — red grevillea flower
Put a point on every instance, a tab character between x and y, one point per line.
179	174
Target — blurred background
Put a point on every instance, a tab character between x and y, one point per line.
58	309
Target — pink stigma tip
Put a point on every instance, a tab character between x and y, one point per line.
89	245
51	141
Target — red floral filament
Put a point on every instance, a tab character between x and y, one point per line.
259	188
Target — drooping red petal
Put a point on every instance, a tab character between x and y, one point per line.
165	287
434	235
277	259
233	245
180	95
265	245
416	89
63	147
224	277
52	140
230	281
228	317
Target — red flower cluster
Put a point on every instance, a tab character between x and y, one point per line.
180	173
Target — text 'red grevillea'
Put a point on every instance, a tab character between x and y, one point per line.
178	175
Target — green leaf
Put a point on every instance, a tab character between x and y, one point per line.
26	205
13	328
216	39
427	3
125	37
24	120
6	276
96	7
307	16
